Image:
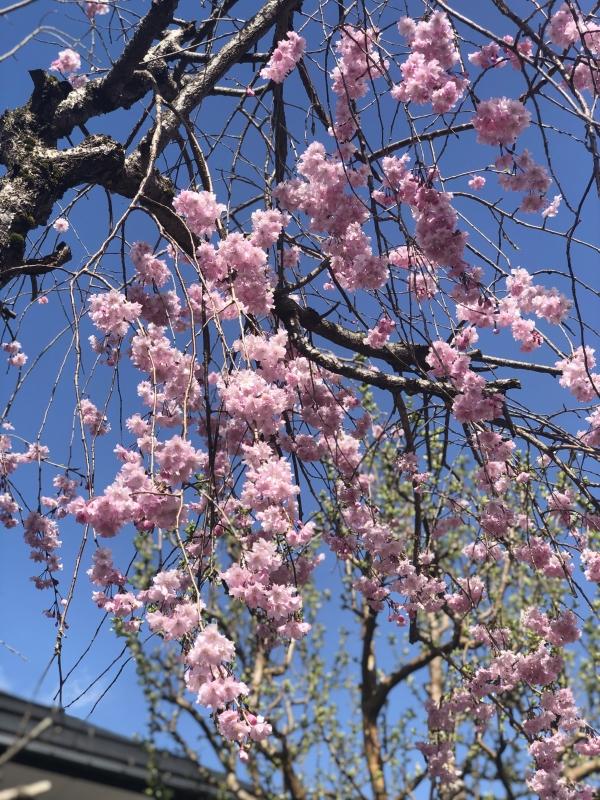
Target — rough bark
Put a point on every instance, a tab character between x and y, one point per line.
38	172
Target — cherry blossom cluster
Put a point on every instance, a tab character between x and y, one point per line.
436	231
68	63
577	375
200	210
236	273
284	58
149	269
380	334
41	534
103	572
559	632
554	713
134	497
8	507
426	72
522	174
171	613
591	437
319	196
496	55
152	496
92	418
591	560
96	8
259	584
472	403
9	460
66	492
567	27
500	120
523	297
16	356
112	313
358	64
209	675
421	279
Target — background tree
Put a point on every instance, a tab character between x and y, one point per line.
357	706
286	266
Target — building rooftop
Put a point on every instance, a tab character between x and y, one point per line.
54	743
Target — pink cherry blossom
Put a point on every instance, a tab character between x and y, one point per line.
426	81
358	63
61	225
200	210
490	55
178	460
477	182
379	335
112	313
149	268
210	648
425	73
284	58
103	572
562	29
500	120
68	61
94	8
577	375
92	418
551	210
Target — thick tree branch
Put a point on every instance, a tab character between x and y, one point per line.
117	89
197	87
371	740
400	356
38	174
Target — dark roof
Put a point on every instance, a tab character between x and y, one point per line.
70	746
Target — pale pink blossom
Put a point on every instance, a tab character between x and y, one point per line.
149	268
551	210
178	459
284	58
112	313
380	334
425	73
358	63
562	29
577	375
500	120
477	182
103	572
267	226
490	55
200	210
68	61
96	8
92	418
61	225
